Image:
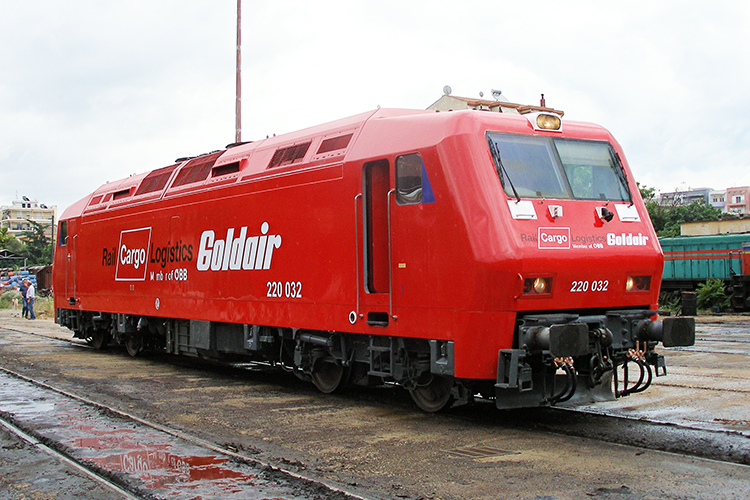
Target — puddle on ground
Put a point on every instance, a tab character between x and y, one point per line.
153	461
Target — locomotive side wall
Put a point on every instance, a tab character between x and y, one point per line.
197	265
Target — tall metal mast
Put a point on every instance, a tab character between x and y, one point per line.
238	100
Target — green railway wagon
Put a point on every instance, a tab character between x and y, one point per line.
691	260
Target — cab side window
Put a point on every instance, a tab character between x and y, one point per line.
409	179
63	234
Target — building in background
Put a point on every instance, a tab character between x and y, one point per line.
16	217
738	200
733	200
718	199
724	226
686	197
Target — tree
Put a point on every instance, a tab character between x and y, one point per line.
667	219
647	193
9	242
38	245
4	237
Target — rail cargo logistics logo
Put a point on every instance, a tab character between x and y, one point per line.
132	254
561	238
554	237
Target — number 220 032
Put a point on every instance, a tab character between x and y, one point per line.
288	289
585	286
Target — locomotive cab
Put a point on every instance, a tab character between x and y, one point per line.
590	266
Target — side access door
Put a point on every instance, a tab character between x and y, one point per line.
68	242
375	288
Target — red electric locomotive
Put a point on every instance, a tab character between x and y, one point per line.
461	255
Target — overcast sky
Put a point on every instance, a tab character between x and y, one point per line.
93	91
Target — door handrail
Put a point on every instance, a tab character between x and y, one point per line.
390	257
356	245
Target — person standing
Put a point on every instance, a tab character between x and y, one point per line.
23	289
30	298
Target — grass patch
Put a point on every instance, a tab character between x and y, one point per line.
44	307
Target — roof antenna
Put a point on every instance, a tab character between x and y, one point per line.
543	103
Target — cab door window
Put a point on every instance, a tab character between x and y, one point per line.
409	179
63	234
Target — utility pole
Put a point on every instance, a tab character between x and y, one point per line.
238	100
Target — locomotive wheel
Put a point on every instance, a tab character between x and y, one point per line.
134	344
329	375
89	338
435	395
98	339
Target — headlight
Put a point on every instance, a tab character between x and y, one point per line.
545	121
537	286
548	122
638	283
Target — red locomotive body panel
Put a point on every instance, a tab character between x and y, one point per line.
326	230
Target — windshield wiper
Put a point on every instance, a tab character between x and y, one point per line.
500	168
617	165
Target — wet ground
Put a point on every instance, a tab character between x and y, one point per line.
30	473
376	444
141	458
707	385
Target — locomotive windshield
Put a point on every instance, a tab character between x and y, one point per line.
545	167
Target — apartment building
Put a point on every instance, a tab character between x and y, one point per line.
16	217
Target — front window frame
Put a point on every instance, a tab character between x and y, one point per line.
551	177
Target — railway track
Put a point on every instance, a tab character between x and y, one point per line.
91	476
135	458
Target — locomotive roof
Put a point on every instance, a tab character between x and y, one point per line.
312	146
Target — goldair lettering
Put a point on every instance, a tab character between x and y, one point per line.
237	253
630	239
